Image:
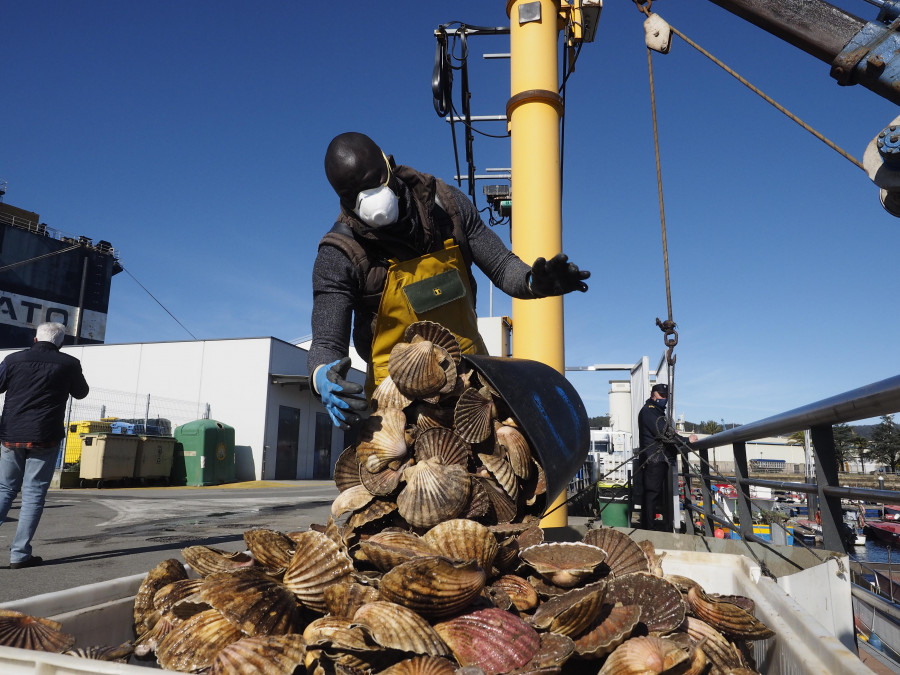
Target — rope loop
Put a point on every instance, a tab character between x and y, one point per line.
644	6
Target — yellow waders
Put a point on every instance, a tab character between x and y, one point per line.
433	287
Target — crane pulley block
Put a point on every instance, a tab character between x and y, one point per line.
657	34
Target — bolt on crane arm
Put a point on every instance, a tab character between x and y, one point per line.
858	52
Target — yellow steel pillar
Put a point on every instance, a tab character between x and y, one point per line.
534	111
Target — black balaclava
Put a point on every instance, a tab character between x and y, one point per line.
353	163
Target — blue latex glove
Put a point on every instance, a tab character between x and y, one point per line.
336	394
556	276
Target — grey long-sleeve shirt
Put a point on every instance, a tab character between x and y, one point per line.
337	287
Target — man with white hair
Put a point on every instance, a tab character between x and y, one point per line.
37	383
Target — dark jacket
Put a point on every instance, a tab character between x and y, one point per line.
652	427
37	383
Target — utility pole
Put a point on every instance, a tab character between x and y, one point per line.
533	112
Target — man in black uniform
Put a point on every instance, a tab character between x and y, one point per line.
658	450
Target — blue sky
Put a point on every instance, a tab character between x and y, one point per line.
191	136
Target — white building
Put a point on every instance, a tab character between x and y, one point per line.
259	386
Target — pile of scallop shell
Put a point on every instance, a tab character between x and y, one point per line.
440	444
452	600
432	563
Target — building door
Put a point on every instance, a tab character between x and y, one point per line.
322	458
288	445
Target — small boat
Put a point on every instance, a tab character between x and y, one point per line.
854	522
891	512
887	532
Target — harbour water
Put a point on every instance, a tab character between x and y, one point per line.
875	551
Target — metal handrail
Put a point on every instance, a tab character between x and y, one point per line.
873	400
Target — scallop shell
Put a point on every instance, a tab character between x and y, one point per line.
683	584
161	575
346	469
419	369
492	639
384	482
522	593
612	626
177	593
434	493
396	627
479	506
343	599
507	555
723	654
564	564
623	555
464	540
388	549
502	472
654	558
429	415
263	655
645	655
433	586
273	550
502	505
436	334
515	448
532	536
254	602
317	564
31	632
205	560
193	644
472	416
118	653
382	440
662	607
386	395
726	617
149	640
554	651
338	633
421	665
352	499
444	445
497	597
572	612
378	509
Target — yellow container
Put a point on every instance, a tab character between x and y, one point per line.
76	433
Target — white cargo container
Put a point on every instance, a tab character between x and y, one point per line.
812	622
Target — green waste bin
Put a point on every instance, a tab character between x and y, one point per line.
204	453
613	513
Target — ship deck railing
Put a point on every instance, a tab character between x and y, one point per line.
825	494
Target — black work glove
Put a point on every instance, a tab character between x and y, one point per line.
337	394
556	276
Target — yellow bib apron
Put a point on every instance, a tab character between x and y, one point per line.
433	287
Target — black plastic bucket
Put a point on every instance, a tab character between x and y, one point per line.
549	411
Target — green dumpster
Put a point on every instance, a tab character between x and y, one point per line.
613	513
204	453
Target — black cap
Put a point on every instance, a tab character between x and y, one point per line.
661	389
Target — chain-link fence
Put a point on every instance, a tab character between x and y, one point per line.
111	411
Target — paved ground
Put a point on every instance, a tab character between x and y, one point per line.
90	536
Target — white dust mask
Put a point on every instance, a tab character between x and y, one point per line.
378	207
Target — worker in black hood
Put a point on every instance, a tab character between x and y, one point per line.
401	251
658	451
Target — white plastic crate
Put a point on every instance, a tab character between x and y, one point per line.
102	614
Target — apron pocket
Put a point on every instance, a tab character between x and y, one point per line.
428	294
